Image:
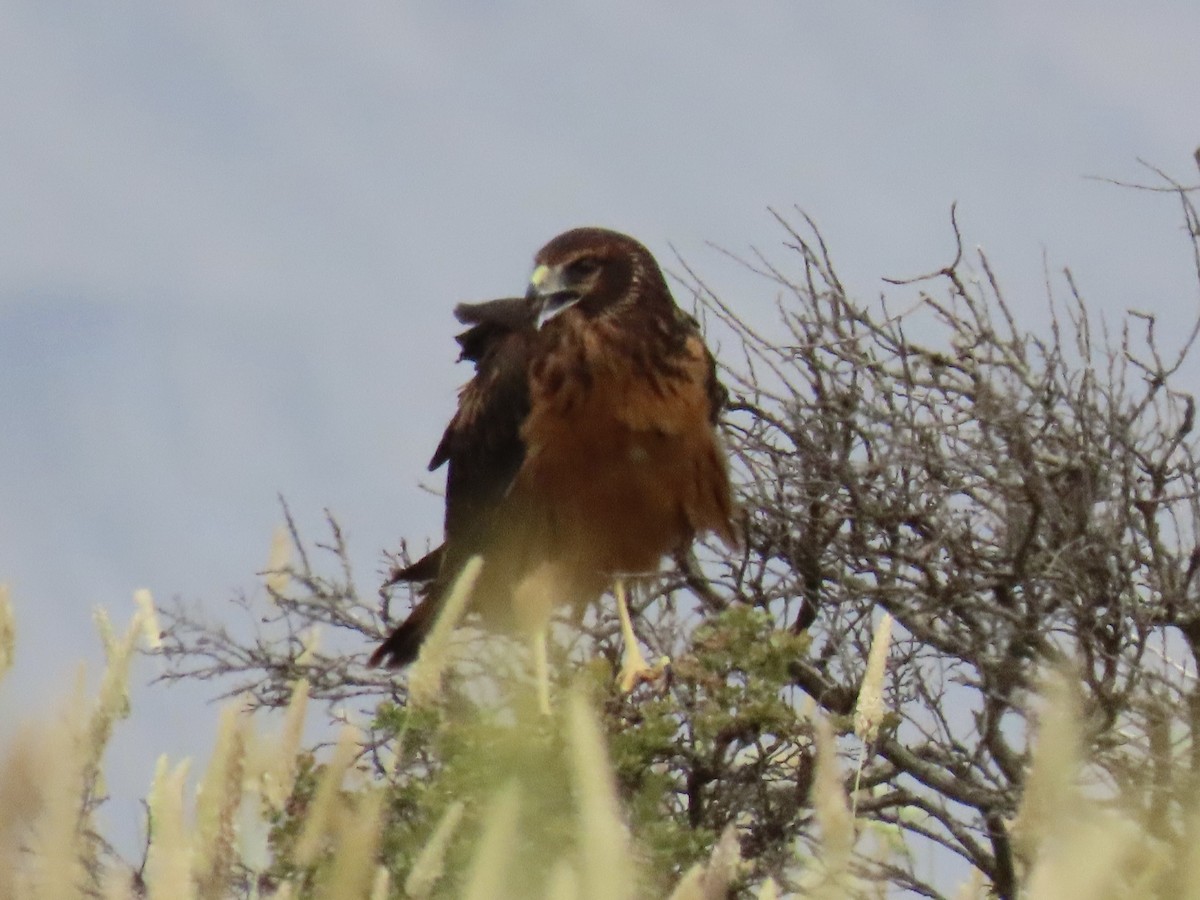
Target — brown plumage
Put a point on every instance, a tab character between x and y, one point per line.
585	445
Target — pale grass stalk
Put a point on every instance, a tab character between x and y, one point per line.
353	870
310	643
1145	861
388	756
1075	850
606	870
51	863
768	890
725	862
1050	801
1189	869
218	801
8	631
61	852
870	709
252	831
276	756
429	867
321	814
1086	861
425	680
878	845
104	626
117	884
169	857
974	888
279	560
23	779
833	815
382	885
269	777
711	881
533	602
112	702
495	847
151	630
563	883
691	885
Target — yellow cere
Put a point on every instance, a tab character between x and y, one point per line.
539	276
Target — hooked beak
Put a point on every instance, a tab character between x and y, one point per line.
546	286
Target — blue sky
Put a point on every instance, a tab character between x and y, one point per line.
231	236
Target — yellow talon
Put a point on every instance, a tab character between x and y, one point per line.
634	668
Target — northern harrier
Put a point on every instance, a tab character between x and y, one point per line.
584	449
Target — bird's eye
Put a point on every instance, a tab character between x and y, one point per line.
584	267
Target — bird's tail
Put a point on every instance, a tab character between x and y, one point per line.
403	644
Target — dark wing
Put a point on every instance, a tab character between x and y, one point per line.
490	322
482	443
483	447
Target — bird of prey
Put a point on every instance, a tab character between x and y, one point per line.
584	448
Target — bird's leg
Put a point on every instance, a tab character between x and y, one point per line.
634	668
541	668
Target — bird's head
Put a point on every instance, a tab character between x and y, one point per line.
594	269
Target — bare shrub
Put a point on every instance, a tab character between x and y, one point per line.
1008	499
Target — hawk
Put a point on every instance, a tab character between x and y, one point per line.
584	448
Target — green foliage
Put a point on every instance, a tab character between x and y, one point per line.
726	713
